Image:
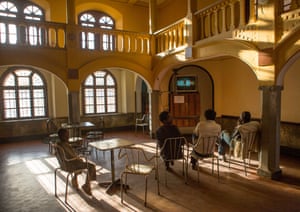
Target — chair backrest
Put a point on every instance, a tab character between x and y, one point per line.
247	141
61	158
173	148
51	127
205	145
249	137
135	155
143	120
100	124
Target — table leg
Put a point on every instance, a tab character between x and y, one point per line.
114	184
112	165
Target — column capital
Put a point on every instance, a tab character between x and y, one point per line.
270	88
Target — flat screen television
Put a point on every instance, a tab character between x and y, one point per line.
186	83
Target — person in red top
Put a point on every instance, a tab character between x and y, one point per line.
76	164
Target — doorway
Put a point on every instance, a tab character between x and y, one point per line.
191	93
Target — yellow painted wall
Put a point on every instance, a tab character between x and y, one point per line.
172	12
236	87
240	89
58	13
125	82
135	19
203	4
290	99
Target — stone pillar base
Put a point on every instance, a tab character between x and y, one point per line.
274	175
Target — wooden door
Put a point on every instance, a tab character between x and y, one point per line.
185	109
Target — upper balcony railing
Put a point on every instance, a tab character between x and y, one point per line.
237	19
220	19
172	37
224	19
32	33
117	41
53	35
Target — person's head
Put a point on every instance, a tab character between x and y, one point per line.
210	114
63	134
165	117
245	117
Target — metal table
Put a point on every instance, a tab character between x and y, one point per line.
111	144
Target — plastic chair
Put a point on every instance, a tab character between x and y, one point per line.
142	122
248	144
64	165
204	147
174	149
137	163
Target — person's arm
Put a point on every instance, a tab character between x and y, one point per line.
159	137
235	132
69	151
196	130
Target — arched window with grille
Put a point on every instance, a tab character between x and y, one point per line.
23	10
23	94
8	31
87	38
102	40
99	93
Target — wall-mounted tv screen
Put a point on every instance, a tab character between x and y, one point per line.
186	83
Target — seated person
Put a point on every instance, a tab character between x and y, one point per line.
230	140
167	130
63	135
251	126
208	127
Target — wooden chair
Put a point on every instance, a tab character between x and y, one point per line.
137	163
142	122
248	144
175	149
204	147
64	165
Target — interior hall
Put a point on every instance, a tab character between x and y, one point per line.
114	65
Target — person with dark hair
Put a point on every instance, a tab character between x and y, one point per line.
208	127
167	130
63	135
228	139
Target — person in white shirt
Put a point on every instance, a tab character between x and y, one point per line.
209	127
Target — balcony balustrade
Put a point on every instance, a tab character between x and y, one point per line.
235	19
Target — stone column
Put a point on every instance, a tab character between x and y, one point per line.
242	13
232	16
189	29
152	16
74	110
154	110
71	11
224	29
270	137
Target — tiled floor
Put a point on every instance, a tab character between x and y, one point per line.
27	184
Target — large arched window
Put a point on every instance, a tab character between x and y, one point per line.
91	40
23	94
21	10
99	93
